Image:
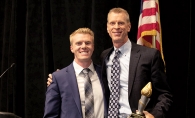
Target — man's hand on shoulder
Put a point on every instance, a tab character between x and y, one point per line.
49	79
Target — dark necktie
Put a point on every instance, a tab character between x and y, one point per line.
89	101
114	87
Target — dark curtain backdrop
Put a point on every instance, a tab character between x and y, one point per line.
34	34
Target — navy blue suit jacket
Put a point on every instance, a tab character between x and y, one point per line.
62	96
146	65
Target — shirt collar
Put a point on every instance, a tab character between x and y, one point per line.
125	48
78	68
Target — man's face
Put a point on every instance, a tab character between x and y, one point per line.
118	27
82	47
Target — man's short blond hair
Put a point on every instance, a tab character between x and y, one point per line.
119	10
82	31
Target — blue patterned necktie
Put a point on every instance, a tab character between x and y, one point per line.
89	101
114	87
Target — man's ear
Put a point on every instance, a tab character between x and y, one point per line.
71	49
107	28
129	27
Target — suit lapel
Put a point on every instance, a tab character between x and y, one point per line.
134	58
74	86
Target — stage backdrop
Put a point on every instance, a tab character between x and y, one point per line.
34	34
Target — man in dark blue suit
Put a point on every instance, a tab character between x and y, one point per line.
65	97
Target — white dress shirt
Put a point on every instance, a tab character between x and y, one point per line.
124	59
96	86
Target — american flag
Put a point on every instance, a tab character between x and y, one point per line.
149	28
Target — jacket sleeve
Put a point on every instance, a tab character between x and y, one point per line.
52	100
161	91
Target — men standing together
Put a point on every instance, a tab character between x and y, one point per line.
125	69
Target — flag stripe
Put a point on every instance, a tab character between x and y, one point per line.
148	19
148	27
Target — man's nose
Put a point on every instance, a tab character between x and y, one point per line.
116	25
83	45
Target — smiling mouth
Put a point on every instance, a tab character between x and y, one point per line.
117	33
84	52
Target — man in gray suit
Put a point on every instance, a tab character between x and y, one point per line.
139	65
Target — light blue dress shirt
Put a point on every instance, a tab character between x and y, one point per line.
124	76
96	86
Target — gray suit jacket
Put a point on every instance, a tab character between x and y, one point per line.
146	65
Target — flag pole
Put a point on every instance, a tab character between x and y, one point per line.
154	41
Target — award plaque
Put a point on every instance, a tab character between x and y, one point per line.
146	92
